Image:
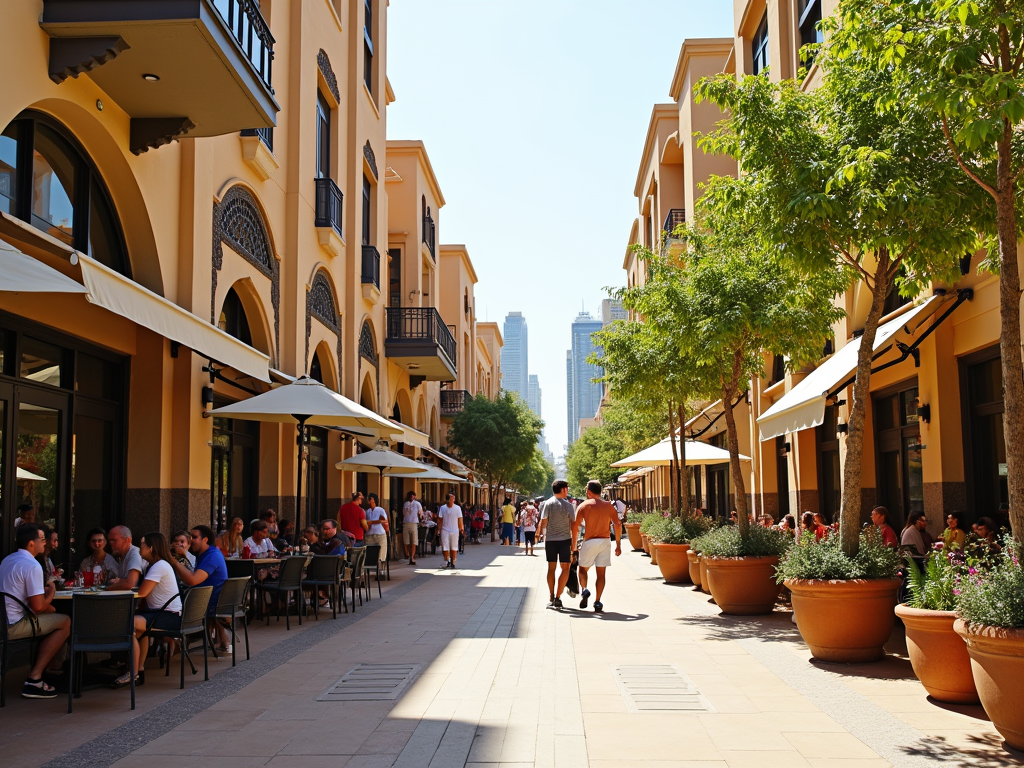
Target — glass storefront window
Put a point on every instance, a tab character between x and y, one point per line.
40	361
38	460
4	341
8	168
53	185
92	477
97	378
908	406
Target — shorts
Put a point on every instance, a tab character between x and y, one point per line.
45	623
410	534
380	539
507	530
165	620
449	541
596	552
529	536
558	551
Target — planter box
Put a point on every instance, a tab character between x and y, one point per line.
743	585
938	655
673	562
693	561
633	533
997	663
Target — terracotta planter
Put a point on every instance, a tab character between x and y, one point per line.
633	532
997	662
704	586
743	585
672	560
645	543
693	561
845	621
938	654
653	546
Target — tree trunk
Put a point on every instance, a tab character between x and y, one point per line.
739	487
850	512
673	477
1010	337
492	510
683	478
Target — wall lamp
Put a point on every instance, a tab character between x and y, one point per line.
924	412
842	429
206	396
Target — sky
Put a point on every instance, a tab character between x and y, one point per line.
534	116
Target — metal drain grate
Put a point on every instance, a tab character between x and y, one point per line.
371	682
658	687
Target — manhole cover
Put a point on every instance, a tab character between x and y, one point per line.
371	682
658	687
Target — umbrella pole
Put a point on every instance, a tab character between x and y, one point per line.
298	474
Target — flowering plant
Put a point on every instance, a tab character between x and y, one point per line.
727	542
934	587
825	559
681	530
651	519
995	596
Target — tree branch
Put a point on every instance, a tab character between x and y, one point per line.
974	176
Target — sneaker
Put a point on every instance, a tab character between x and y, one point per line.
557	604
586	597
224	650
598	607
37	689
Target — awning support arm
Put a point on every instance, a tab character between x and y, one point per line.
720	415
216	374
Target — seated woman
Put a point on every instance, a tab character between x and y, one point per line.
99	557
231	542
953	536
880	518
311	535
811	526
985	530
286	536
159	587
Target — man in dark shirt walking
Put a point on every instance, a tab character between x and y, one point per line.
559	527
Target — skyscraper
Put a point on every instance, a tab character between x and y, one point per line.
534	395
611	310
570	401
514	356
584	393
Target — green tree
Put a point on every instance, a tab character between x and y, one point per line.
636	429
535	477
831	179
960	62
591	457
497	437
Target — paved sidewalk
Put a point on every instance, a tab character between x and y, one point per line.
504	681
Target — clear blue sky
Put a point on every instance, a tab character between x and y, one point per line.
534	115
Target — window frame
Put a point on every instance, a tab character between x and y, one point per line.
760	43
323	136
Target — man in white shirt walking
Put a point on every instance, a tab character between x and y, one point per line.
450	522
411	512
378	530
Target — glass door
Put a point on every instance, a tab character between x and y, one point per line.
316	477
41	454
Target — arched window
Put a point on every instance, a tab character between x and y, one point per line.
47	180
316	370
233	320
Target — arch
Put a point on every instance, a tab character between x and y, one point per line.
322	301
435	436
255	315
403	405
367	398
368	343
324	64
421	415
323	358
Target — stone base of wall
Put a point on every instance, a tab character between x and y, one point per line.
942	498
803	501
166	509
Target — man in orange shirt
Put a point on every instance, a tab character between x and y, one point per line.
600	520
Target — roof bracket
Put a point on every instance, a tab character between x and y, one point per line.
71	56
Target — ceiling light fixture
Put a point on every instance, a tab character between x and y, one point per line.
151	78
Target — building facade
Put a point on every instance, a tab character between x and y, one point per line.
515	356
584	392
533	398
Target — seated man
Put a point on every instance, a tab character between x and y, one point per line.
211	570
127	557
332	541
259	543
22	576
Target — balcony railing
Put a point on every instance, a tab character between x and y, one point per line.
429	235
266	135
371	265
328	204
251	32
421	324
675	217
453	401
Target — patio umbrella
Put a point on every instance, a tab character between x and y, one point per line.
385	461
24	474
435	474
660	455
303	402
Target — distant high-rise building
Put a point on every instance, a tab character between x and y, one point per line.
514	356
584	395
611	310
533	399
569	407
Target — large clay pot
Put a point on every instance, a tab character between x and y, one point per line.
704	586
845	620
633	532
673	562
938	655
997	662
743	585
645	543
693	561
653	546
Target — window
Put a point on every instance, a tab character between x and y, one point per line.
899	460
759	47
233	320
323	137
368	44
984	442
829	471
366	211
808	15
47	180
395	277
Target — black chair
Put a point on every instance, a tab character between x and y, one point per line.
231	605
195	603
356	561
326	571
238	567
101	624
6	644
372	566
289	581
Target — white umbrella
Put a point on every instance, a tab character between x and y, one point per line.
306	401
385	461
435	474
24	474
660	455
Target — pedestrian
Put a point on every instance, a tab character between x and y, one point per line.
529	524
478	526
411	512
559	527
600	520
508	522
450	523
519	521
377	532
620	509
352	519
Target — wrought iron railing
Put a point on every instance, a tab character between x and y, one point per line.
453	401
266	135
328	204
371	265
429	235
675	217
251	32
421	324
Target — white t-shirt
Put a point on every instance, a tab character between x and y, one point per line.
165	587
411	511
21	575
262	549
530	517
450	517
376	513
619	507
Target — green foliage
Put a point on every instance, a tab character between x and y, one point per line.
535	477
651	520
635	517
728	541
656	531
825	559
995	596
591	457
682	530
934	587
635	429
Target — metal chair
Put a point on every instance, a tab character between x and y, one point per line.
231	605
326	571
372	565
195	603
356	560
101	624
6	643
290	580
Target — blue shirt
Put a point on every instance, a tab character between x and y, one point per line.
213	564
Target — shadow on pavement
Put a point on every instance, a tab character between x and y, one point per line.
981	751
605	615
775	626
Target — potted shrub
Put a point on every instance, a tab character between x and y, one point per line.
843	603
633	520
741	569
702	566
693	561
937	653
673	544
654	534
991	610
650	519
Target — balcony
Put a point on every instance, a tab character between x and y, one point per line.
671	242
453	402
430	235
419	342
177	67
328	216
258	151
371	273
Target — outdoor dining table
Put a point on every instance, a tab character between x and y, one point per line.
67	594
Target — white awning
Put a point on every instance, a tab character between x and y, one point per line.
455	464
111	290
660	454
436	475
23	274
803	406
411	436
